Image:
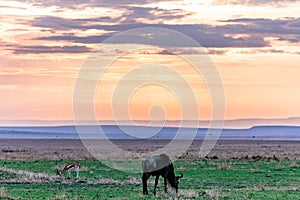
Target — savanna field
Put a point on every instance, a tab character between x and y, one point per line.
112	86
254	177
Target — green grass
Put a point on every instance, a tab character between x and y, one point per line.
203	179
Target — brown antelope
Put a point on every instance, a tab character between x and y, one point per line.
69	167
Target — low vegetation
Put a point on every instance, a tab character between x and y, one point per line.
251	178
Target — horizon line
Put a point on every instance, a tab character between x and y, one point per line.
227	123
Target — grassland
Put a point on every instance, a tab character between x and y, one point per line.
251	178
232	170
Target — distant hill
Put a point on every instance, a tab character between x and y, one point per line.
135	132
236	123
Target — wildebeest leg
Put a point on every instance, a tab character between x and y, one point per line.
165	183
144	179
155	185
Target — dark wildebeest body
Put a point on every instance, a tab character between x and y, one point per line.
159	165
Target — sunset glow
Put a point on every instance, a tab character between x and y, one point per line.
255	46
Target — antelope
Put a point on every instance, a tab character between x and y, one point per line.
69	167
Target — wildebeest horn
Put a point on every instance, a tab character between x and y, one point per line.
180	175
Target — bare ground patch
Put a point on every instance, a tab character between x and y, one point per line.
74	150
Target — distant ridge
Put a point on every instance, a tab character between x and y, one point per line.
235	123
116	132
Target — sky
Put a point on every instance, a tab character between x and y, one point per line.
253	44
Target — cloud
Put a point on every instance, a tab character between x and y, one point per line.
284	25
254	2
269	50
216	51
131	11
135	13
79	4
205	35
241	32
49	49
195	51
131	15
15	7
57	23
284	29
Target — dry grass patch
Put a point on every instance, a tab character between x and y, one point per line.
277	188
59	197
294	165
106	181
225	166
4	194
110	181
187	194
133	181
213	194
27	176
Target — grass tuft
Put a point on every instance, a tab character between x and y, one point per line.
4	194
225	166
294	165
188	194
213	194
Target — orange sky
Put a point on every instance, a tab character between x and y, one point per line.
253	44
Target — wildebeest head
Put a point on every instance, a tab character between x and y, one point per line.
175	182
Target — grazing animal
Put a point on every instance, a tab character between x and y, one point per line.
159	165
69	167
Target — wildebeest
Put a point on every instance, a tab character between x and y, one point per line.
69	167
159	165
